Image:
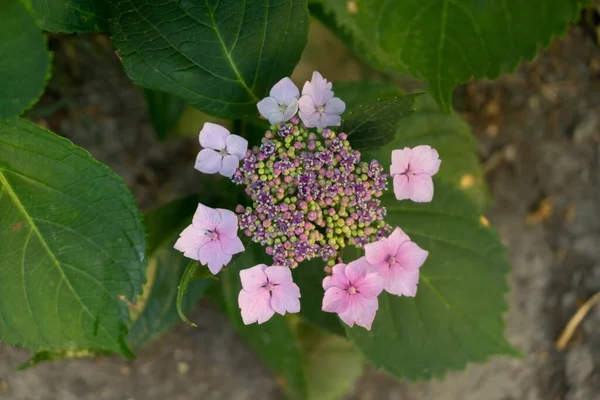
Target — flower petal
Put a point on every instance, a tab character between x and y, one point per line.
255	306
285	91
213	136
425	160
231	246
329	120
410	256
290	110
228	224
236	146
371	285
402	187
318	89
377	252
230	164
395	240
284	298
335	300
361	311
356	270
213	256
206	218
402	282
421	188
208	161
254	278
335	106
337	278
190	241
400	161
269	108
279	275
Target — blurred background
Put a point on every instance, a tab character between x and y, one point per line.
538	135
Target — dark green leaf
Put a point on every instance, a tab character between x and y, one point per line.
274	340
374	124
24	60
447	42
355	94
309	276
70	16
457	315
165	111
222	57
72	245
166	222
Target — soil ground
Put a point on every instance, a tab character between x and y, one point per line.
538	133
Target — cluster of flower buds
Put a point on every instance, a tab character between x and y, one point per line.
311	197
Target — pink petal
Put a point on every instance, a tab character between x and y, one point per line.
237	146
318	89
285	91
269	108
336	300
329	120
228	224
308	112
371	285
402	187
361	311
284	298
395	240
290	110
402	282
231	246
425	160
335	106
253	278
230	164
410	256
356	270
206	218
279	275
400	161
255	306
213	136
213	256
208	161
190	241
377	252
337	278
422	188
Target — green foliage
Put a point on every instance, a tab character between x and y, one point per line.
24	60
360	93
72	245
457	314
222	57
72	16
447	42
165	111
274	341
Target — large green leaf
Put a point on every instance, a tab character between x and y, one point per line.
355	94
457	314
72	245
24	60
447	42
221	56
69	16
274	341
451	137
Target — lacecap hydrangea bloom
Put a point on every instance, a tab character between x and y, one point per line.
311	197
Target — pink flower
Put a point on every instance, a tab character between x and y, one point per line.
398	260
412	170
351	291
211	238
318	107
222	151
282	103
266	291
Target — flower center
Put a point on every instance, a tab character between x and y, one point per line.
391	260
269	286
352	290
282	107
223	152
321	109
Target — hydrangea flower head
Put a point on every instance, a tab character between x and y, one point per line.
397	259
266	291
412	170
222	151
351	291
282	103
211	238
318	107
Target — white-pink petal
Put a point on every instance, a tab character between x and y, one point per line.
230	164
208	161
253	278
400	161
337	278
213	136
336	300
402	187
421	188
190	241
395	240
269	108
278	275
377	252
228	223
410	256
285	91
402	282
206	218
285	298
361	311
335	106
318	88
213	256
236	146
231	245
356	270
425	160
255	306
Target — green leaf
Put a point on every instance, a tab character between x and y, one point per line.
457	314
447	42
309	277
72	245
451	137
45	356
355	94
273	341
374	124
165	111
222	57
24	60
166	222
186	279
71	16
